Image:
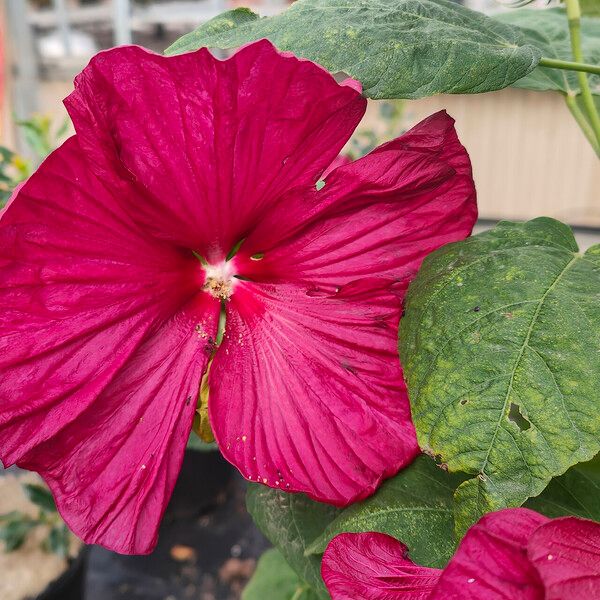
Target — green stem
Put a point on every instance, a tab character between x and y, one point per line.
583	122
568	65
574	17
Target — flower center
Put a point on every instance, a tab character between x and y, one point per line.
219	281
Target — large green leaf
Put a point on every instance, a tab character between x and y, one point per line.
396	48
501	349
415	507
577	492
549	31
292	522
274	579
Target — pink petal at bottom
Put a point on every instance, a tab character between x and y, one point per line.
374	566
566	553
491	561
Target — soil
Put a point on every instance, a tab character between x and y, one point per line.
207	549
28	570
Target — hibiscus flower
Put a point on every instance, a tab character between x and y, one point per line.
186	224
512	554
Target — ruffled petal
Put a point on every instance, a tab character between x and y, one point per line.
112	470
566	554
90	311
491	561
374	566
306	390
378	216
215	143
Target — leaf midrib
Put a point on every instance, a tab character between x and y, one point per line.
524	345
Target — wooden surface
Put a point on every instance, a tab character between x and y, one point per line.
529	155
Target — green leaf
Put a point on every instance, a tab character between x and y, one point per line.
591	8
40	496
195	443
577	493
396	48
14	532
291	522
415	506
500	345
276	580
549	31
58	540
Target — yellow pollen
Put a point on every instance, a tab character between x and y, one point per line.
219	282
218	287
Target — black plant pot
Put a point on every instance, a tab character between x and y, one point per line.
206	514
70	585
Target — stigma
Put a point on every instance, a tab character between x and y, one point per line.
219	281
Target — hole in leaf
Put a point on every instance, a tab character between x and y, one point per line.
514	415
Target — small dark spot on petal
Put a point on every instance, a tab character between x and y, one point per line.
188	400
348	367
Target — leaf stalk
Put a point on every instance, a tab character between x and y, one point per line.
569	65
574	18
582	122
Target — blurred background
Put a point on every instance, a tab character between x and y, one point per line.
529	159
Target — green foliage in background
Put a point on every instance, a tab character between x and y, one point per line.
16	525
41	140
274	579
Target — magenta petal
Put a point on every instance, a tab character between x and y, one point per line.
307	392
491	562
215	143
112	470
377	216
374	566
88	390
566	553
339	161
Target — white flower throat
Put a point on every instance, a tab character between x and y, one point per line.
220	280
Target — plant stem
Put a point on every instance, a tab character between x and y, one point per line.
568	65
583	122
574	17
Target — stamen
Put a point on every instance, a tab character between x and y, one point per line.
219	288
235	249
219	281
